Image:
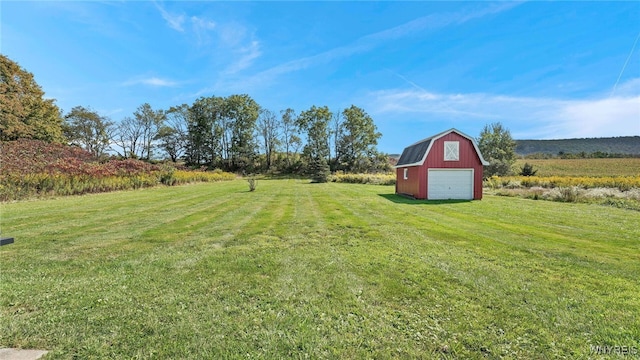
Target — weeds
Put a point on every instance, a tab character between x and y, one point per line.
32	169
567	194
373	179
252	183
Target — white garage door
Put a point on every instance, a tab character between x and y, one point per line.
450	184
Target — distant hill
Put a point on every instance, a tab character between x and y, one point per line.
627	145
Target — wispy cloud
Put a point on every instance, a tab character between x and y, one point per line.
174	21
150	81
212	37
201	28
371	41
544	117
247	55
437	21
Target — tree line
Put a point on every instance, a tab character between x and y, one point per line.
233	133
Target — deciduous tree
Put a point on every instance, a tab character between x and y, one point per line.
498	148
24	112
127	136
315	122
172	136
242	112
86	128
356	144
269	133
206	132
290	137
150	122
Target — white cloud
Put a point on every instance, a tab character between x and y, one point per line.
211	37
201	28
174	21
247	55
371	41
150	81
436	21
600	117
535	117
232	34
628	88
201	23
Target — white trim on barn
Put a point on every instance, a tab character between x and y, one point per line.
436	137
451	151
450	183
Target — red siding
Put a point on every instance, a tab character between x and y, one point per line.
468	160
416	184
411	185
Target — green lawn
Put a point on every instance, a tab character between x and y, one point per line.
299	270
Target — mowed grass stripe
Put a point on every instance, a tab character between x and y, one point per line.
426	284
95	222
483	269
395	278
311	281
320	270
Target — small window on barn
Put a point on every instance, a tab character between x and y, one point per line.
406	173
451	151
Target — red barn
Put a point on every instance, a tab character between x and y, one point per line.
445	166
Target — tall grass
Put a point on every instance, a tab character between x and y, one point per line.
586	182
32	169
373	179
20	187
620	191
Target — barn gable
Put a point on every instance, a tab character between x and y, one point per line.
416	154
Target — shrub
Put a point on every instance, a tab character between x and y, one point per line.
624	183
513	184
35	169
252	183
527	170
492	182
185	177
567	194
167	176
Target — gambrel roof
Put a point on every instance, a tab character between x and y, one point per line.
416	154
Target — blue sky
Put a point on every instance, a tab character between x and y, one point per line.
544	69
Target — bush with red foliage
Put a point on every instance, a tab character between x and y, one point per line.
35	156
32	156
32	168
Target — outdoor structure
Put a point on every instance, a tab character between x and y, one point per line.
445	166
